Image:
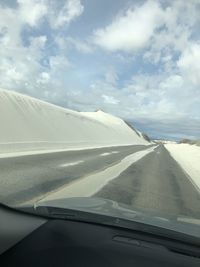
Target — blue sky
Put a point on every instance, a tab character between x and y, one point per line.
139	60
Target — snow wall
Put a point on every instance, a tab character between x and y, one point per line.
28	124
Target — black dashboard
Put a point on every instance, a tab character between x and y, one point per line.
72	243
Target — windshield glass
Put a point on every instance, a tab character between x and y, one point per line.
100	109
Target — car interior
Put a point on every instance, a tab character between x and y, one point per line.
32	240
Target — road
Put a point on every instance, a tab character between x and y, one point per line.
154	183
27	177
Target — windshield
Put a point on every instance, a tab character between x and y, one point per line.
100	109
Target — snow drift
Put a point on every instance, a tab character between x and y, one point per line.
188	157
30	124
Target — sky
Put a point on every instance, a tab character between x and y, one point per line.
139	60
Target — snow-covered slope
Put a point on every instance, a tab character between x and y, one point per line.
30	124
188	156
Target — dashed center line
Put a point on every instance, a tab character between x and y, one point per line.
71	164
108	153
68	164
115	152
104	154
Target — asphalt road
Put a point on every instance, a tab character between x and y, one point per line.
155	184
30	177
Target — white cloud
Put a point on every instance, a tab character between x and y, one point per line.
110	100
161	30
44	78
10	34
38	42
58	62
31	12
189	63
66	43
63	16
132	30
58	13
172	82
81	46
21	66
180	23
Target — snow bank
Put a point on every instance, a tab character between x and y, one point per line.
29	124
165	141
188	156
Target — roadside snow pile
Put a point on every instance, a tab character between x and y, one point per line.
188	156
165	141
30	124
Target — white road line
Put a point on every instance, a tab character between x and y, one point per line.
104	154
108	153
91	184
70	164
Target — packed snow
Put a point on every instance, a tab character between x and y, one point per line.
29	124
188	156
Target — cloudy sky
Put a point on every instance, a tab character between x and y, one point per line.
139	60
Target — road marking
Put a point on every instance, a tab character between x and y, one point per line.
104	154
71	164
108	153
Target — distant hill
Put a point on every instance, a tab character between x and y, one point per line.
189	141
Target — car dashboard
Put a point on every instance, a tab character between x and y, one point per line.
27	240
